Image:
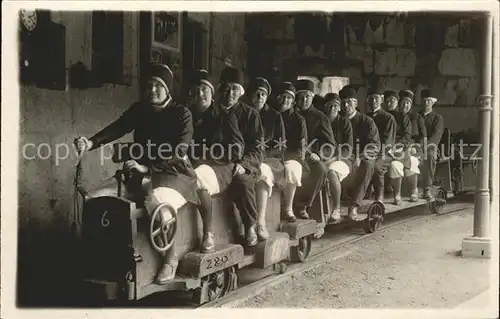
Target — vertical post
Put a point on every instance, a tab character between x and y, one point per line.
479	245
494	121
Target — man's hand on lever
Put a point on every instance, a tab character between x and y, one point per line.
132	166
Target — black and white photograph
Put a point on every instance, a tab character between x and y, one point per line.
279	155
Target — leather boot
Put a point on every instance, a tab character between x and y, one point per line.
414	196
427	193
412	184
303	214
262	233
335	217
251	236
397	199
352	213
208	243
166	273
290	217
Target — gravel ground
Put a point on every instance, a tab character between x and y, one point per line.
413	265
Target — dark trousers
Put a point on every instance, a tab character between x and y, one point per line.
378	179
428	168
242	193
357	182
312	182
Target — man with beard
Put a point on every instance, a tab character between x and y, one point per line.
386	125
418	134
321	145
339	167
215	130
296	137
157	122
402	158
272	167
242	188
434	126
367	146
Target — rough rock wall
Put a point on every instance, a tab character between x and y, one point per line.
226	40
440	52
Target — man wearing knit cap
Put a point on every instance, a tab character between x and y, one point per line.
402	158
242	188
418	130
434	126
296	137
319	133
418	135
386	125
340	166
214	169
157	121
272	167
366	145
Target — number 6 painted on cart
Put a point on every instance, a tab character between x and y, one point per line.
104	221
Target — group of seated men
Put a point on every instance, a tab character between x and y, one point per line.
245	149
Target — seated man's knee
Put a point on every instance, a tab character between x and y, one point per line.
414	167
367	163
207	179
396	169
340	169
266	176
293	172
332	175
366	168
168	199
409	173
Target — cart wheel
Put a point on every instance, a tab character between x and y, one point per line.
374	218
300	252
436	205
215	286
280	268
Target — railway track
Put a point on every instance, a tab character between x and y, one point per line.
322	248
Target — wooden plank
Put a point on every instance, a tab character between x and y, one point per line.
178	284
195	264
130	46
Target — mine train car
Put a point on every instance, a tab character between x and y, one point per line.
122	257
121	260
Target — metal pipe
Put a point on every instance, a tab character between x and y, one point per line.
482	198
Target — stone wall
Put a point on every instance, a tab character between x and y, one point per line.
225	40
49	122
416	51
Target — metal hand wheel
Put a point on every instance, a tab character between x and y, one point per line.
166	231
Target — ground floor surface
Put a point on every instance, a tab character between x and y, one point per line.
412	265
